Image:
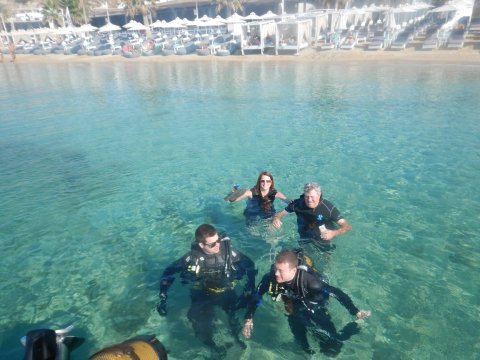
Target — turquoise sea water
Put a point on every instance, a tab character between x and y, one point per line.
108	168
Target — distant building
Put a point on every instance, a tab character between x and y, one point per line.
25	15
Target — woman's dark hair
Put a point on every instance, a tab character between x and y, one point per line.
265	203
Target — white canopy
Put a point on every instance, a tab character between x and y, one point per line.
269	15
137	27
158	24
252	17
205	18
130	24
234	20
177	23
109	27
88	28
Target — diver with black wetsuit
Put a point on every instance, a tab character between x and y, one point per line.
213	267
305	296
318	220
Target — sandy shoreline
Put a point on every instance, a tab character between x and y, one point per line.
466	55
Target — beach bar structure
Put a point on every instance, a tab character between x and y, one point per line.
293	35
258	35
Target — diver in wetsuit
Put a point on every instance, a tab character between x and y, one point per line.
213	267
305	296
318	220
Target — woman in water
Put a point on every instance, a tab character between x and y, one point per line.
260	197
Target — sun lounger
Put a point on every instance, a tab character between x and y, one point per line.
349	43
430	42
377	42
474	25
456	39
326	46
361	36
401	41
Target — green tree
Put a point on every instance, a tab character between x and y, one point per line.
231	6
51	12
75	9
135	7
85	8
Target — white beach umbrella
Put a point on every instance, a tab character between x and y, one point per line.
130	24
235	16
109	27
269	15
236	20
214	23
156	24
205	18
177	23
220	19
137	27
252	17
87	28
197	22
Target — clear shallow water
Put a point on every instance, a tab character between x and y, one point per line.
107	169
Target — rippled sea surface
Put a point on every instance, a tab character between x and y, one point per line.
106	170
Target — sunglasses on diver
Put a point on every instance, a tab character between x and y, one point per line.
266	181
212	245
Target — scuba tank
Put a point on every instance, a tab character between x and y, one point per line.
304	261
145	347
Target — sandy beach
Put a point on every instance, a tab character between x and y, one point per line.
467	55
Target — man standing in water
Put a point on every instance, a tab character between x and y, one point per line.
213	267
305	296
317	218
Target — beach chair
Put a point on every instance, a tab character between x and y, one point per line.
431	38
401	41
456	39
349	43
377	42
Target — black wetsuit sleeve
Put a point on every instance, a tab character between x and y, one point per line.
319	291
262	288
245	266
290	208
335	214
342	298
168	277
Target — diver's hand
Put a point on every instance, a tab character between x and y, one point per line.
363	314
248	328
276	222
327	235
162	305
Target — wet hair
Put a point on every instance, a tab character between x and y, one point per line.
287	256
204	231
312	186
265	203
